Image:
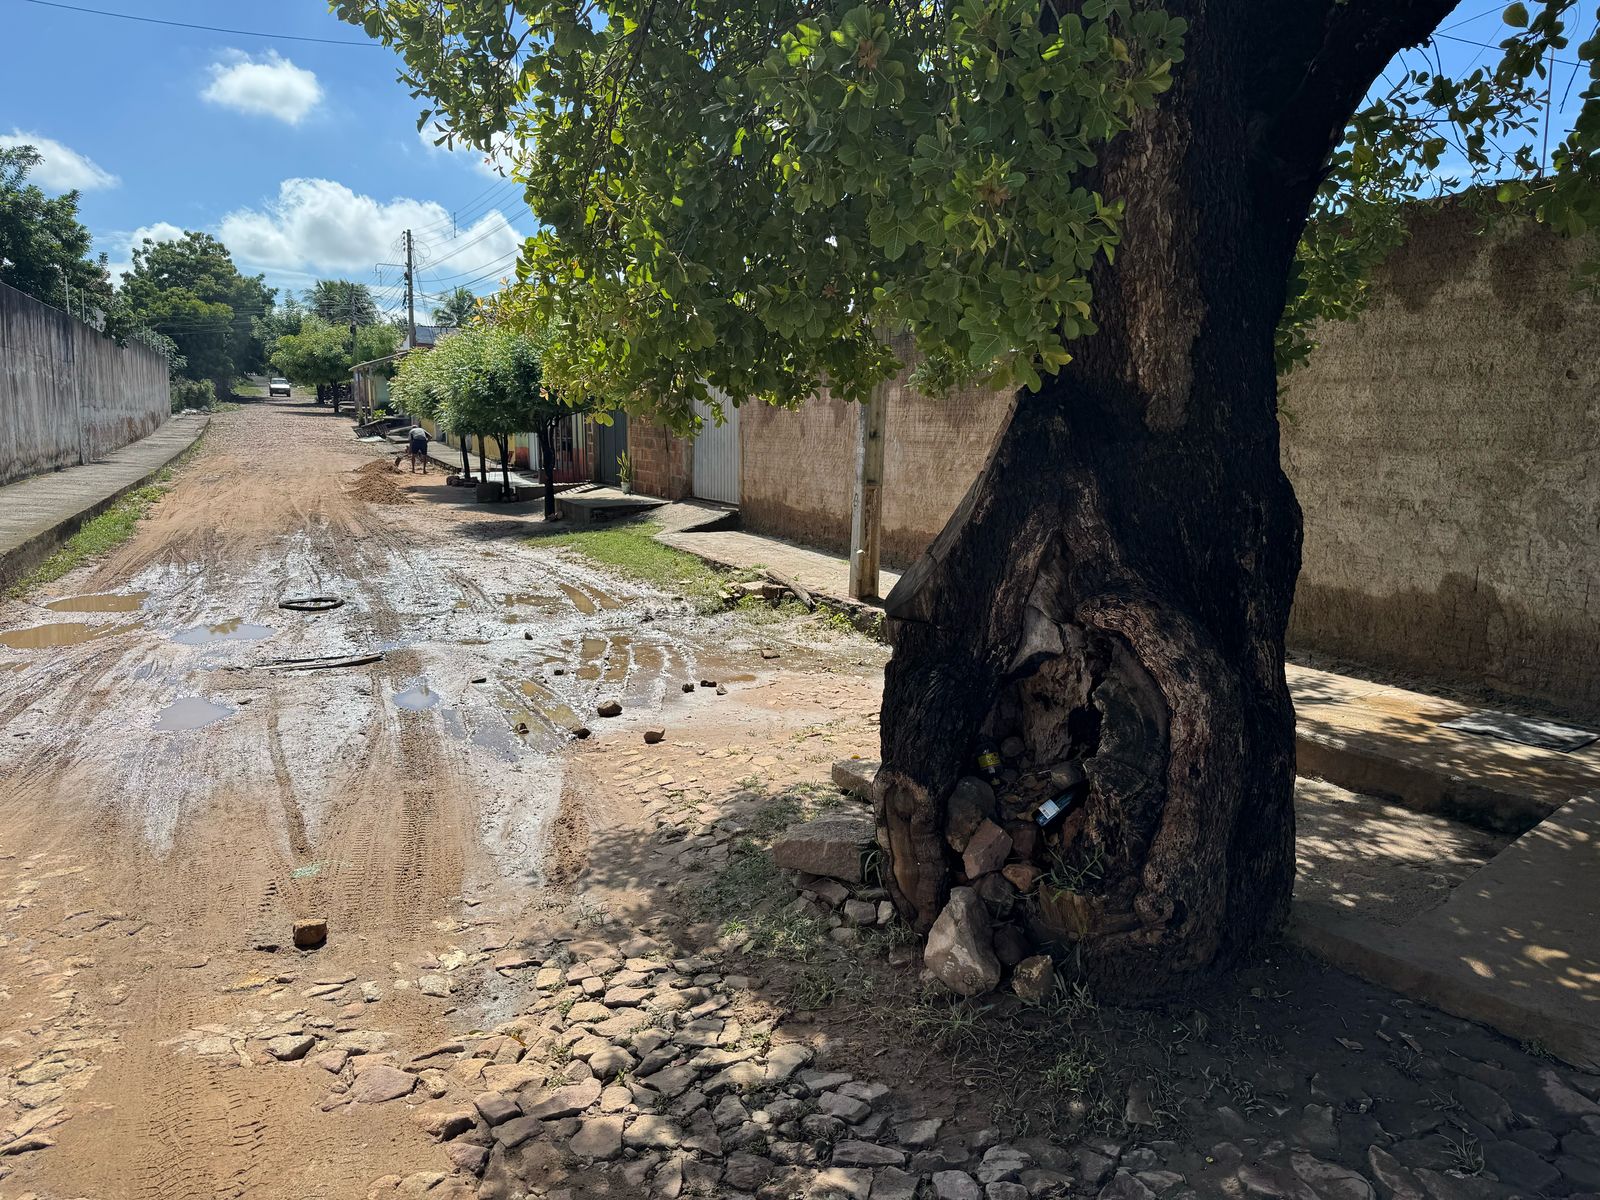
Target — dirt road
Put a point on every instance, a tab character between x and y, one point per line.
171	803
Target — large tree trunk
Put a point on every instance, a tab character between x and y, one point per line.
1108	604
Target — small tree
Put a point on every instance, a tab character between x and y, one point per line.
320	354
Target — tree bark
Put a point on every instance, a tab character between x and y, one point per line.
466	462
502	442
1108	604
547	469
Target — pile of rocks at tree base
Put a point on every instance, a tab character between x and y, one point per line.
630	1076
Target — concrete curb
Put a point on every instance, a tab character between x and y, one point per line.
19	560
1375	953
1421	787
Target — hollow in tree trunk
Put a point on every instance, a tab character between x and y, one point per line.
1107	606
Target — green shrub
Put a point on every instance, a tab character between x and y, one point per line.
193	393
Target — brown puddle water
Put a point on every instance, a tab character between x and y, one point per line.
234	629
580	600
104	602
60	633
553	710
191	712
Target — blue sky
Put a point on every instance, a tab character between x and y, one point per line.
303	157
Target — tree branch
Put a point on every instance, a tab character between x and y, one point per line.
1318	70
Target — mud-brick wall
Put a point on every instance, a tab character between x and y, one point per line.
1446	452
661	462
797	466
69	395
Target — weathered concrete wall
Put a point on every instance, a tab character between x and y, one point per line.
1446	451
796	469
69	395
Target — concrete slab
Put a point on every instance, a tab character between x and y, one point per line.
595	506
1387	741
1516	945
39	513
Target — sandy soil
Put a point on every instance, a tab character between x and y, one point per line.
170	803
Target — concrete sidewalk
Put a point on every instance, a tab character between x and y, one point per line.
38	514
1516	945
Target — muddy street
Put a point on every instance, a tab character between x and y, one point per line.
181	781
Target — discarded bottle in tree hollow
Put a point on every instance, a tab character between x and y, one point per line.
1051	810
989	762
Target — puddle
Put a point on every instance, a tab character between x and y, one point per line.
105	602
233	629
558	714
580	600
417	699
60	633
191	712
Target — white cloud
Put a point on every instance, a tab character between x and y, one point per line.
122	244
270	86
63	169
318	227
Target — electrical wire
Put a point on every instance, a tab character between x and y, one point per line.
282	37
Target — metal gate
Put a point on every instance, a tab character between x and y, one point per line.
716	454
570	440
610	441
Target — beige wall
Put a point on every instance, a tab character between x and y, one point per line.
1445	448
796	467
1446	451
68	394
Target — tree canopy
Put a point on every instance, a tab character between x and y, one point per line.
44	248
190	291
456	309
340	301
318	354
749	197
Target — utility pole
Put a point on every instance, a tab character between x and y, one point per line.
411	296
866	500
355	402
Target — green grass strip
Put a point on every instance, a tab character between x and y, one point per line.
631	549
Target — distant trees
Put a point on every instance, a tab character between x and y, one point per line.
456	309
487	381
340	301
44	248
319	353
190	291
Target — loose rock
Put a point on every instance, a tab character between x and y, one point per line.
958	951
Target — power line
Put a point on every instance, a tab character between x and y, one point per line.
283	37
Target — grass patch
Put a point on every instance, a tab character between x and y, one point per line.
631	549
99	535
